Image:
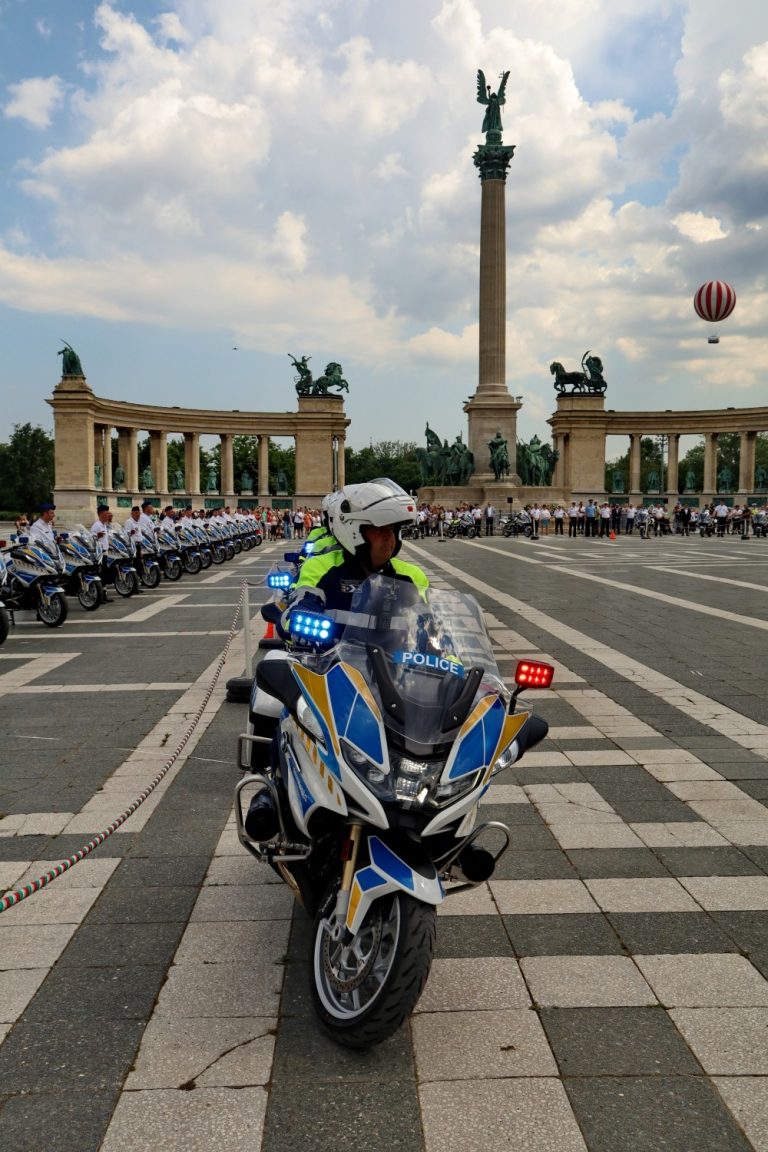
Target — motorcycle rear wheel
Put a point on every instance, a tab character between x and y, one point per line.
365	990
54	613
90	596
126	583
150	575
173	569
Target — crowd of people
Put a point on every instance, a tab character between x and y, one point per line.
597	518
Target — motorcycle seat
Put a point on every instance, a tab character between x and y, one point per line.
276	678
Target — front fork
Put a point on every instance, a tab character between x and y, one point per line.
350	852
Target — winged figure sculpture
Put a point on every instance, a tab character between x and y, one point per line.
493	100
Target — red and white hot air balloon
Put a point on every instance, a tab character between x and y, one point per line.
713	302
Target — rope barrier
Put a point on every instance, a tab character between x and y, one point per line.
19	894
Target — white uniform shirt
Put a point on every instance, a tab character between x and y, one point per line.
133	529
40	528
100	533
168	523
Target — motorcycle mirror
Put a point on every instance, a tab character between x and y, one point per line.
291	557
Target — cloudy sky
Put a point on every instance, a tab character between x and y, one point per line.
181	177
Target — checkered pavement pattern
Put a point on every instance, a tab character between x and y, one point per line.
607	989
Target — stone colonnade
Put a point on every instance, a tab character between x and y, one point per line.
581	424
84	424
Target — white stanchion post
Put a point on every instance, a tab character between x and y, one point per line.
247	633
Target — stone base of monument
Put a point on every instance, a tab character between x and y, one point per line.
495	492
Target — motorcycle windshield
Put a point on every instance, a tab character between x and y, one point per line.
425	660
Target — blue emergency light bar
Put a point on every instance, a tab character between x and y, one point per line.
311	626
279	579
308	548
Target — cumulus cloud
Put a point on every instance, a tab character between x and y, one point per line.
312	169
34	100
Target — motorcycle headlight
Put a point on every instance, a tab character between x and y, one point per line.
308	721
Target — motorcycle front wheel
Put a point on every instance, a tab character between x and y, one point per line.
5	624
229	550
205	559
173	569
89	596
217	555
192	563
53	613
364	989
126	583
450	533
150	575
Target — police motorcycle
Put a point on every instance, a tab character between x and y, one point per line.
203	543
216	542
707	523
168	554
4	617
219	530
146	558
461	526
78	553
186	540
34	580
117	567
760	524
389	722
518	524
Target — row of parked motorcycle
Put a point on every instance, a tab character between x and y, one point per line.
39	574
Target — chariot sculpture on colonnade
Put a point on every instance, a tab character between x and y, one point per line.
590	379
306	385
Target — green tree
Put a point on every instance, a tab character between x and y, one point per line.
393	458
650	461
282	460
26	468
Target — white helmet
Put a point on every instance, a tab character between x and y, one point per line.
377	503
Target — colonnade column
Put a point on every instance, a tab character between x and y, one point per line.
673	461
227	485
710	463
340	463
98	455
128	458
263	468
158	460
747	446
634	463
107	464
192	462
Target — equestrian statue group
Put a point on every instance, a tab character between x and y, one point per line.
590	379
306	385
444	463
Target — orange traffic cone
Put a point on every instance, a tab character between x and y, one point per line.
270	631
612	535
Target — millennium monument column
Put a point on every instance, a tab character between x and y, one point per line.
492	409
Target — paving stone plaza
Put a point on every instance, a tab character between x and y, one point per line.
607	989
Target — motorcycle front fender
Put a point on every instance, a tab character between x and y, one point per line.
49	590
90	578
386	873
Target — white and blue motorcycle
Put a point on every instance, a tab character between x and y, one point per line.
383	745
34	584
4	617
